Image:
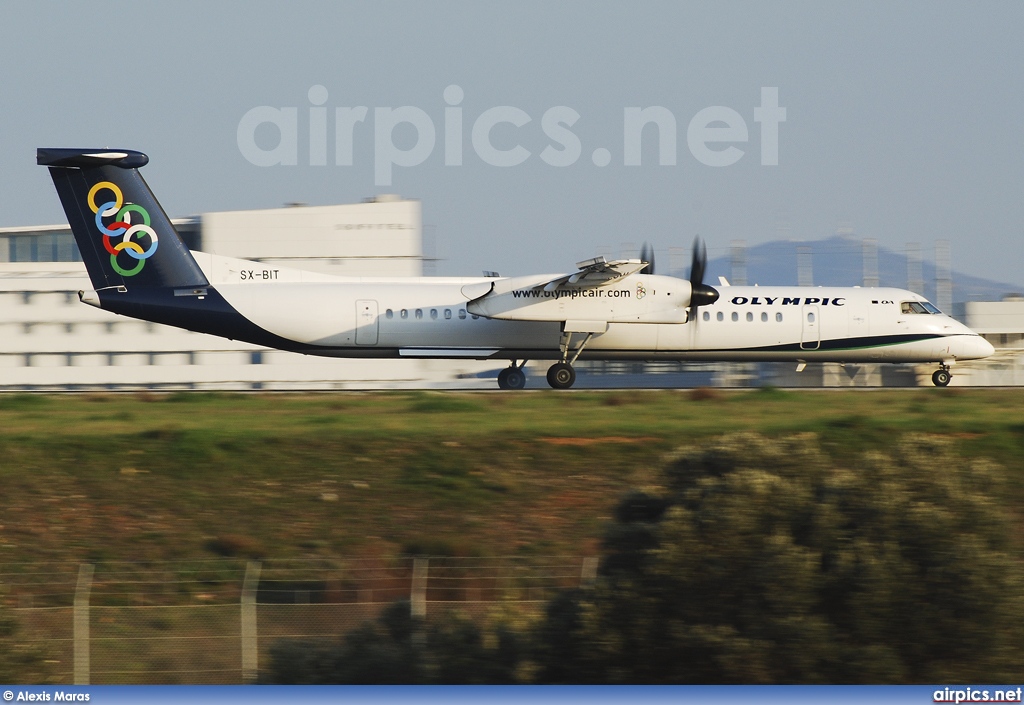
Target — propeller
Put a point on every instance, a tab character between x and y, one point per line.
647	255
700	293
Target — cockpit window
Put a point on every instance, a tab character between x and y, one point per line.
918	307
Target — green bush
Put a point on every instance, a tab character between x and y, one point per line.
767	561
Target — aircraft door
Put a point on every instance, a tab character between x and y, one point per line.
366	322
810	336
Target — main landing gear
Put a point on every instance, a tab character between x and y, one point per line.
512	377
561	375
941	376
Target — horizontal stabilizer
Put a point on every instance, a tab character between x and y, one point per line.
123	234
88	158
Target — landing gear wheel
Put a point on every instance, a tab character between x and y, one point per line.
561	375
511	378
516	378
941	378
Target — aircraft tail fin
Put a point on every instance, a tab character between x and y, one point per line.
125	238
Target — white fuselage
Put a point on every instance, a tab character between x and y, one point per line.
641	316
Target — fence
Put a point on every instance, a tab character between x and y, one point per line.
214	622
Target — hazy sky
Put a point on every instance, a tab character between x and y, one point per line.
902	121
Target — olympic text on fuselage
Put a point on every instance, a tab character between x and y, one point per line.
787	301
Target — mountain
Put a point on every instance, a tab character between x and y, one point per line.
839	261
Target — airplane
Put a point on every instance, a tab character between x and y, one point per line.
604	310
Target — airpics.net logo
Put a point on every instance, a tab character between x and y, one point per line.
715	136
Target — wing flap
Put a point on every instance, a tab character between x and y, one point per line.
596	272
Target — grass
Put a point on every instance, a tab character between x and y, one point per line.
195	476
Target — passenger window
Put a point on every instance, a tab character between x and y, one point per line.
720	316
778	317
707	316
389	314
419	313
764	317
447	314
735	316
433	314
404	314
462	313
810	317
750	316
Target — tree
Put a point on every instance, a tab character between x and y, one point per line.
765	561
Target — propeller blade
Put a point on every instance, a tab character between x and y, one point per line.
700	293
647	255
698	262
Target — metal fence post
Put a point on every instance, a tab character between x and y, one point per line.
81	623
418	598
250	645
588	574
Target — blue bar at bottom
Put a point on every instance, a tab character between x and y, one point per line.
534	695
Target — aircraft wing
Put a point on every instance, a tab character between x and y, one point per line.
591	273
578	299
595	272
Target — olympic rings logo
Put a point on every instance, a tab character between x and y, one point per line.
640	291
123	228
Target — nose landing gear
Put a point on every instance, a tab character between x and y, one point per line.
941	376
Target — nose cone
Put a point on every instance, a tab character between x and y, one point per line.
973	347
986	347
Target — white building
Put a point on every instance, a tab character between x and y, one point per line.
1002	324
380	237
49	340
